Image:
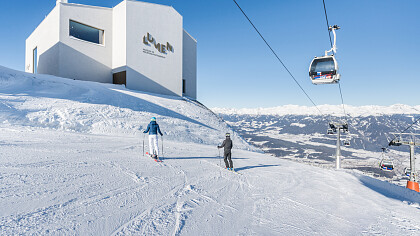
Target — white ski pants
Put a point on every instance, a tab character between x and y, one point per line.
153	144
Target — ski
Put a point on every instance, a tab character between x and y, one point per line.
233	171
155	159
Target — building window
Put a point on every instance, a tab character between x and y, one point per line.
35	61
86	33
183	86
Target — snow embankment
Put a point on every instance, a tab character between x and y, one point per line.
90	107
334	110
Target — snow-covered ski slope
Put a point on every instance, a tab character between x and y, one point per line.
71	164
89	107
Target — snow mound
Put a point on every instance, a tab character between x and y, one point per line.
89	107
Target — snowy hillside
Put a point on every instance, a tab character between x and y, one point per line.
72	164
89	107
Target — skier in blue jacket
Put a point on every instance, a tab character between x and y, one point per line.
153	129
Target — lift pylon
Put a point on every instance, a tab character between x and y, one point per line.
337	128
398	141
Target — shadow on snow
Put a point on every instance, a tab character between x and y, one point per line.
251	167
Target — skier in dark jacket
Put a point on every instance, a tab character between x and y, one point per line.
227	145
153	129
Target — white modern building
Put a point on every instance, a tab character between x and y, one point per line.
142	45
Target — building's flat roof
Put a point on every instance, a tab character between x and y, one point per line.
110	8
154	4
89	6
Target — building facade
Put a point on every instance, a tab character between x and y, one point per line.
142	45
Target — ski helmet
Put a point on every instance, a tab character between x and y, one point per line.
227	134
153	118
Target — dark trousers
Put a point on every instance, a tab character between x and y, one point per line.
228	156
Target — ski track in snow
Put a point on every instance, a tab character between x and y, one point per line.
70	183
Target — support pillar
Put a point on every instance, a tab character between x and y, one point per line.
412	184
338	150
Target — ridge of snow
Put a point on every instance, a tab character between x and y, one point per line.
334	110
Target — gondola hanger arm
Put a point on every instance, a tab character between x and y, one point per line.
334	47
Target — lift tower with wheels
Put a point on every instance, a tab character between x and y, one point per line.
398	141
337	128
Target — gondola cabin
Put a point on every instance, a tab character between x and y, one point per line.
386	165
407	171
346	142
324	70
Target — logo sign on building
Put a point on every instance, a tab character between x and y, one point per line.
162	48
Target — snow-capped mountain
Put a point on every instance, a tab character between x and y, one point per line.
300	131
326	110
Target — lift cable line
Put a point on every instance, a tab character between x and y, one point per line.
278	58
392	140
329	34
328	25
330	78
342	101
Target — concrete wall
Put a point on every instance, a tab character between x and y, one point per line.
157	66
151	70
45	38
119	41
80	59
189	65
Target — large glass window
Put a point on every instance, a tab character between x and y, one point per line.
87	33
325	65
35	61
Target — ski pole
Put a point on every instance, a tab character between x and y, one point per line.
143	144
220	162
162	146
220	158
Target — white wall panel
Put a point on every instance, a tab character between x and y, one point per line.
157	72
80	59
45	37
189	65
119	43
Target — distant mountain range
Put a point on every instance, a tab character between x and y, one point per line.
327	110
299	132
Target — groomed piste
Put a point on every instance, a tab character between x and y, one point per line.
72	164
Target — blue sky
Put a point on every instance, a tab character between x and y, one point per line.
378	48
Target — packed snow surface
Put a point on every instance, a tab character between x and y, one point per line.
72	163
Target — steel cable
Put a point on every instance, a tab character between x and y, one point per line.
278	58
